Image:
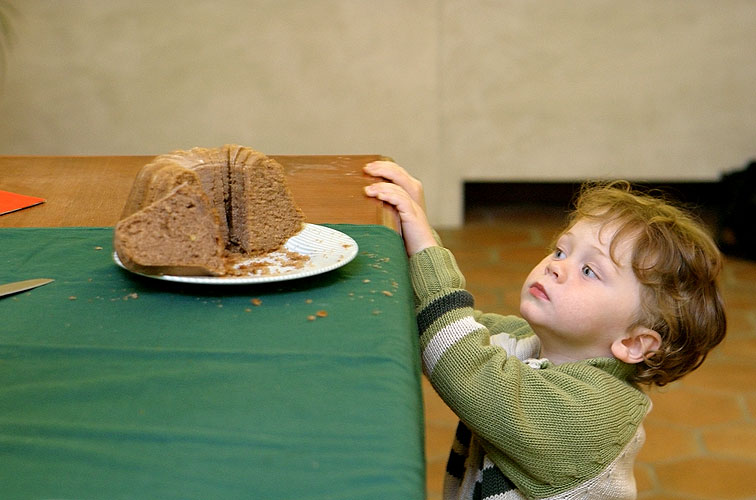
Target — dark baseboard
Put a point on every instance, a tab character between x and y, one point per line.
704	196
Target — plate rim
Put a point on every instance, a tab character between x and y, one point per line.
353	250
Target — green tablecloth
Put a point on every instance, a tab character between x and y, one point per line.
114	385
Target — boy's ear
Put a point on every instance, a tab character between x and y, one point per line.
636	345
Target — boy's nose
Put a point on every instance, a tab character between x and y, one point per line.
556	269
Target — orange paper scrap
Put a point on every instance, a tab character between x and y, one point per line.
10	202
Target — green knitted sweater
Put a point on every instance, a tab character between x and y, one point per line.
551	431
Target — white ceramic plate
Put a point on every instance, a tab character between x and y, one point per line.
325	249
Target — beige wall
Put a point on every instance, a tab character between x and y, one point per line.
453	89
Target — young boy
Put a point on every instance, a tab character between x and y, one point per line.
549	404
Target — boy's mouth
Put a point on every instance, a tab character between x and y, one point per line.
538	291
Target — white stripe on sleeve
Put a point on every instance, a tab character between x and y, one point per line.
445	338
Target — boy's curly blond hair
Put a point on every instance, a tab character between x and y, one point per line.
676	261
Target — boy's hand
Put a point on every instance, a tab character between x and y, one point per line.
396	174
405	193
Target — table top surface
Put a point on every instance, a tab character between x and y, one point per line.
92	190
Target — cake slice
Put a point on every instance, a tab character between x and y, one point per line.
178	234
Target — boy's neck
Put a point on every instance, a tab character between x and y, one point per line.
560	356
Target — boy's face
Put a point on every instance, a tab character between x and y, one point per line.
577	299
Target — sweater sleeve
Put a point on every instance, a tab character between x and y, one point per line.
547	429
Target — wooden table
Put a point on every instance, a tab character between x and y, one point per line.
91	190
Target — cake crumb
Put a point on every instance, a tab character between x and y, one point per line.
241	264
387	293
256	301
72	297
247	310
98	248
133	295
321	314
311	317
366	281
308	301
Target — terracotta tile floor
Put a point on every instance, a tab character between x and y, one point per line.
701	433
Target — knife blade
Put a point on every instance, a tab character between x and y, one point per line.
21	286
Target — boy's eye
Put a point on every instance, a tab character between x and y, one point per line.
558	253
587	271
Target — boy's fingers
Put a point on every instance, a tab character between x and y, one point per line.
379	164
386	191
394	195
376	188
387	169
396	174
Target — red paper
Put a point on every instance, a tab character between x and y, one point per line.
10	202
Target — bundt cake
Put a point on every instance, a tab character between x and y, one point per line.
189	211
